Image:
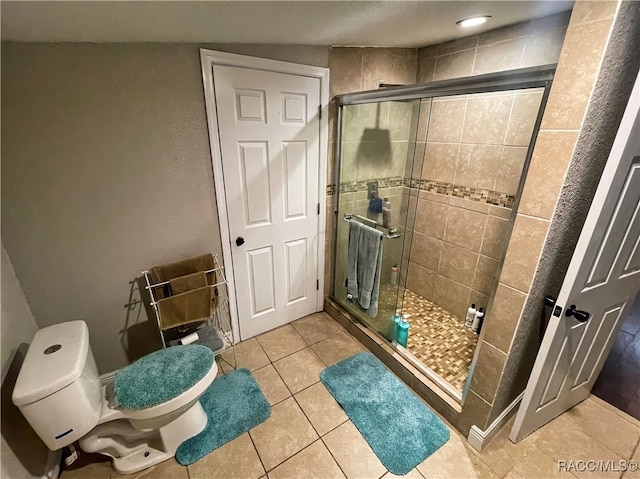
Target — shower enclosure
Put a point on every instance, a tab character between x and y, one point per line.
438	168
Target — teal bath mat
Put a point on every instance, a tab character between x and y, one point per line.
398	426
234	404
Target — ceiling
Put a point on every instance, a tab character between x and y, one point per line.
364	23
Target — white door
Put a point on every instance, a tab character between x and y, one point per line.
270	147
597	293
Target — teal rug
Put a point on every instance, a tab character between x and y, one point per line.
398	426
234	404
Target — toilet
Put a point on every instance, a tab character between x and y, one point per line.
138	415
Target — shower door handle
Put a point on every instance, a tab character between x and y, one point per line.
239	241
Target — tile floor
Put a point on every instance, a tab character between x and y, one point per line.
439	339
309	436
619	381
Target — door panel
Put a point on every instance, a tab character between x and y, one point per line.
269	140
602	280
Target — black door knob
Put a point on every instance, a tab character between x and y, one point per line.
581	316
239	241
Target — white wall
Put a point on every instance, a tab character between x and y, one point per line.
106	171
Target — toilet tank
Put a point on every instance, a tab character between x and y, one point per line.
58	387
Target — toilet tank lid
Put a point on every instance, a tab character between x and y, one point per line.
55	359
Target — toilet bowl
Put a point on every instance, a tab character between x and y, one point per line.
138	415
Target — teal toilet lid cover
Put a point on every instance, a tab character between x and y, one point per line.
161	376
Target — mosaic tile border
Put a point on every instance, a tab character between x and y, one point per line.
497	198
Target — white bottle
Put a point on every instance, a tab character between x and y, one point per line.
471	312
476	320
393	277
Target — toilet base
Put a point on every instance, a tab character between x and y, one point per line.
133	450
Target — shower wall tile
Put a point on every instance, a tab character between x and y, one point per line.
479	299
458	264
486	118
500	212
421	280
440	162
399	121
500	322
485	274
575	77
458	45
452	294
546	172
345	67
470	205
595	10
543	48
477	166
490	364
447	116
426	251
426	70
454	65
435	197
523	118
388	65
523	252
501	56
495	237
465	228
503	34
512	160
431	218
423	120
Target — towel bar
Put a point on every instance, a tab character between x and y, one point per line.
391	234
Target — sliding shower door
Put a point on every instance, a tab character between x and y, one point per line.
377	148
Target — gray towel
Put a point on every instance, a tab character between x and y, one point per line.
364	264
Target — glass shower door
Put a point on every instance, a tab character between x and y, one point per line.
377	150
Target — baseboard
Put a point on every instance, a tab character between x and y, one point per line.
478	438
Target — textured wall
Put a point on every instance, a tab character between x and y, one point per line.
23	453
106	171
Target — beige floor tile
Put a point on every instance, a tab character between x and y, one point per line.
412	474
455	460
336	348
236	459
533	464
313	462
321	408
605	426
355	457
169	468
98	470
636	458
562	440
281	342
501	454
286	432
300	370
316	327
273	388
249	354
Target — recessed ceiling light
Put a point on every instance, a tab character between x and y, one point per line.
473	21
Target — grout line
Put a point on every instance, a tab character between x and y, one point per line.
257	453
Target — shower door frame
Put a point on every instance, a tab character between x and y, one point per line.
518	79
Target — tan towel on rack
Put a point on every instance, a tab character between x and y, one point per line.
188	282
191	307
165	272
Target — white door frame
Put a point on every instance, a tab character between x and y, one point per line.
209	58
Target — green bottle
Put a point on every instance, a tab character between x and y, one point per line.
396	326
403	331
